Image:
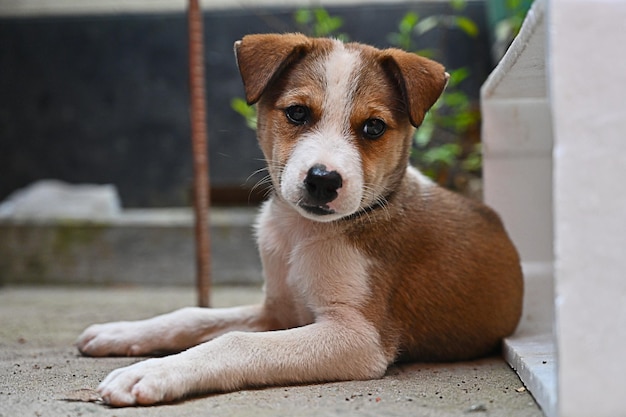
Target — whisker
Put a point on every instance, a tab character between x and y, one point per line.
258	171
265	182
375	195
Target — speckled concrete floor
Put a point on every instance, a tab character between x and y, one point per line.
40	368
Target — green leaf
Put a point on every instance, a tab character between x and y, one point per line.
474	160
402	38
426	53
424	134
430	173
318	22
325	24
320	14
467	25
455	99
247	112
303	16
445	154
408	22
513	4
458	5
457	76
334	23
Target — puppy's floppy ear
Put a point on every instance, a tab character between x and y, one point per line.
421	80
261	58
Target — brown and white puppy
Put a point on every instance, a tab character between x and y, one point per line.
366	261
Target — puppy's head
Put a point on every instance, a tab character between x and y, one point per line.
335	120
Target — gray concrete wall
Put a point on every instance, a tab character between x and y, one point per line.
138	247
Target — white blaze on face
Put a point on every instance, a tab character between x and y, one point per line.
330	142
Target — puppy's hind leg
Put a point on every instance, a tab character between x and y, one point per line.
169	333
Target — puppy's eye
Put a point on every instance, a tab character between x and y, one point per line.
298	115
374	128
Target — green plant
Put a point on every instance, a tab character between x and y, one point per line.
319	23
315	22
505	19
507	28
440	149
247	112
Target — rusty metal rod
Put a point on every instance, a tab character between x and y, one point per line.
199	138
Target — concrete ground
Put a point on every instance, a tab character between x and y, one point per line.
40	369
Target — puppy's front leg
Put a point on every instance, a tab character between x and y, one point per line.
172	332
336	347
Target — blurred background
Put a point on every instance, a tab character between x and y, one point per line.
95	149
97	92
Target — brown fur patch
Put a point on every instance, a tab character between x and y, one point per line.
445	279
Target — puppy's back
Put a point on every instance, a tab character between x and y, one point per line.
446	278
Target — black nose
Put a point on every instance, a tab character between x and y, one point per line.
322	185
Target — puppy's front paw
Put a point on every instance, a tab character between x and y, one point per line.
167	333
144	383
115	339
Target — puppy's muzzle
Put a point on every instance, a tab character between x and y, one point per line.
321	188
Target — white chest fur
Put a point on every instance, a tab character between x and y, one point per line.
309	267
